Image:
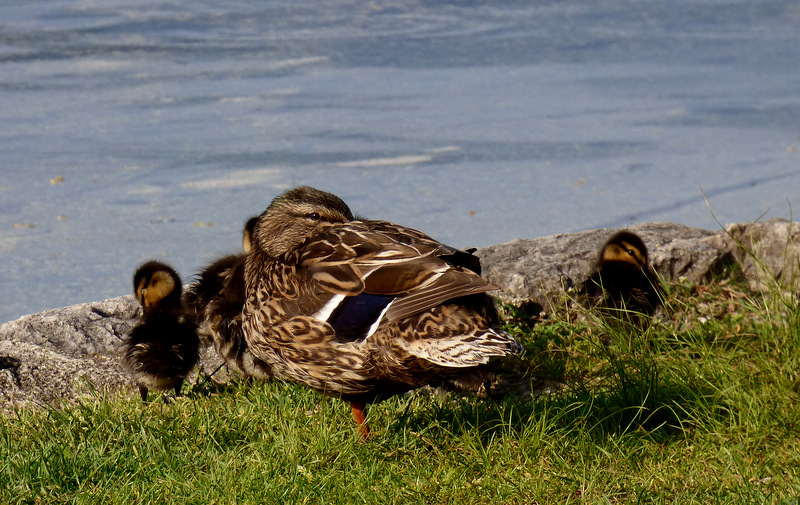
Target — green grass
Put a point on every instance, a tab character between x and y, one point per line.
703	406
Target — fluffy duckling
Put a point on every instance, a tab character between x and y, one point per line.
217	300
363	310
622	278
161	350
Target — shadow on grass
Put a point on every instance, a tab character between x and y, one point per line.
619	380
662	410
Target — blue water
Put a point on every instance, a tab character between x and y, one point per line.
475	122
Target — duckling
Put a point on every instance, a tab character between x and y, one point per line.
217	299
622	278
161	350
247	234
363	310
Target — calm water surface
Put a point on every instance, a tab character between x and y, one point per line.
136	130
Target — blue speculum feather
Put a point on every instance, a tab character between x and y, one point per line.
353	317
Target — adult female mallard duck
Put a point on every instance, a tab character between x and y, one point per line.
363	310
217	300
161	350
622	279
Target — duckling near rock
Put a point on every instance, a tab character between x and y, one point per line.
623	279
217	300
363	310
161	350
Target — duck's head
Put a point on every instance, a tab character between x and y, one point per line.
625	247
156	284
294	216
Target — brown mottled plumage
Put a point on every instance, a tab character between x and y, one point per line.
622	279
161	350
217	300
363	310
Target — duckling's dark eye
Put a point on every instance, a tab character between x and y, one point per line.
314	216
630	251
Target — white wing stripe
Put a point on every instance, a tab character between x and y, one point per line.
325	312
374	327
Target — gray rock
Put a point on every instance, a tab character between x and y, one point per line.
96	328
767	252
52	356
32	376
45	357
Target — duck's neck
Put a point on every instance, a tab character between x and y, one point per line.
255	266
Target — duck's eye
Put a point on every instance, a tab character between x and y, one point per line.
314	216
630	251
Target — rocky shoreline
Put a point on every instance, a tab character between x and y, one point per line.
61	354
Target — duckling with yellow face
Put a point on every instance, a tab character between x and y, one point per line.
622	279
162	349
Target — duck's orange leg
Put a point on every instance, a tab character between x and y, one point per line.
361	418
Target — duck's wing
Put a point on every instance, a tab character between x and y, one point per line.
460	257
401	269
